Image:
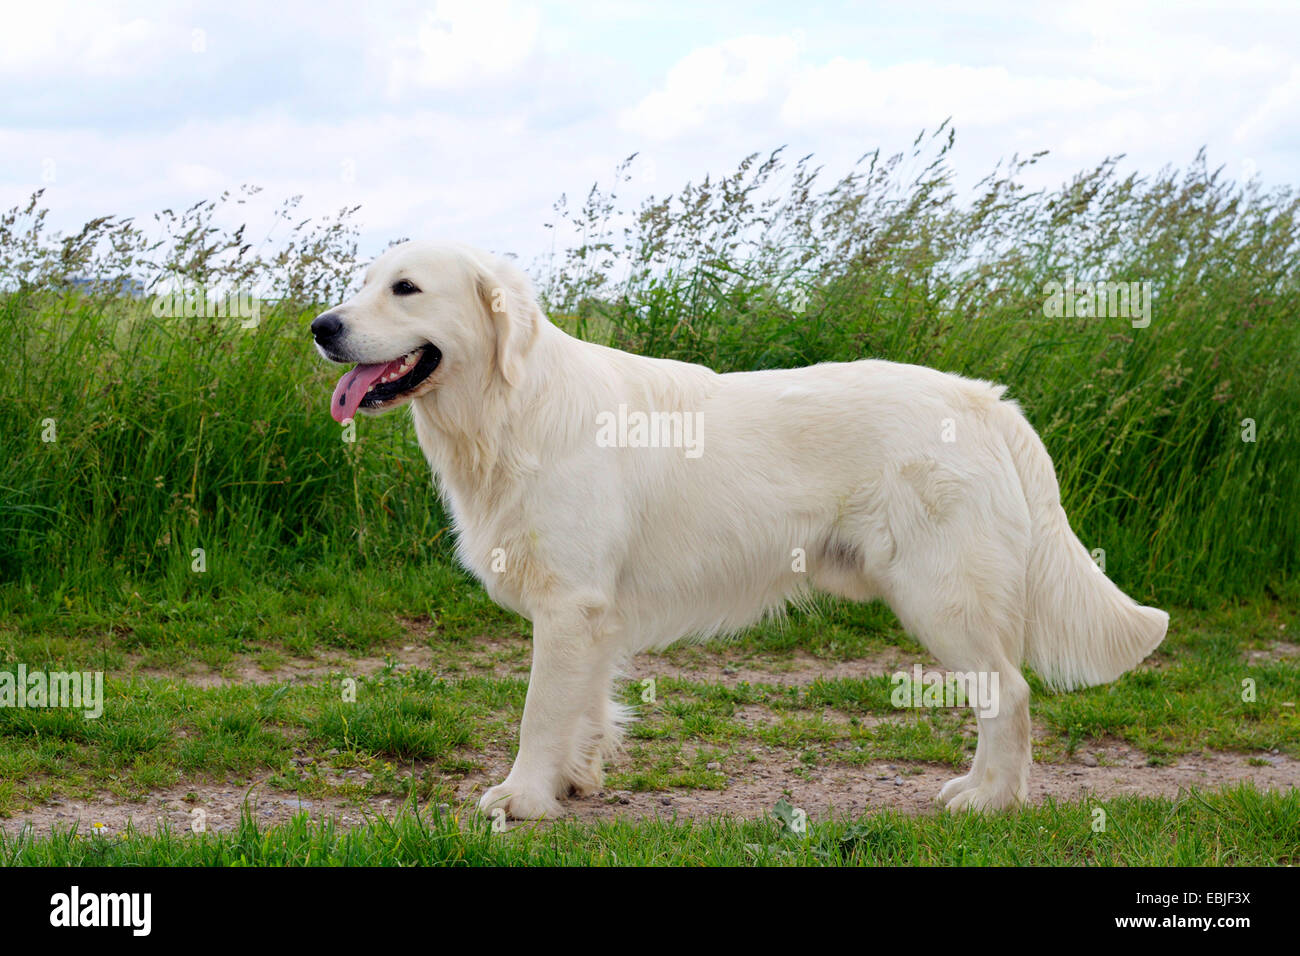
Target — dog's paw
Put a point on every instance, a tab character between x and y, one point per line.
520	802
955	786
983	799
588	778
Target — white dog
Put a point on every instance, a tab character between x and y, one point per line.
622	503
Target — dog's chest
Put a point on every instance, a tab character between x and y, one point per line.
501	556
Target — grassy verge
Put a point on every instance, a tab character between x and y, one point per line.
1232	827
248	685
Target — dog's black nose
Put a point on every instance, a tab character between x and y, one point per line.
325	327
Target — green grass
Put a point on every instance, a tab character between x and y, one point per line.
175	502
158	733
1234	827
419	731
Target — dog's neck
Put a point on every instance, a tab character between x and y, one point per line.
465	459
478	443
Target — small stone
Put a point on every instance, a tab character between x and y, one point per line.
713	765
624	800
898	781
666	801
1088	760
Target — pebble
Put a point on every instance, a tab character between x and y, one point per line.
713	765
1088	760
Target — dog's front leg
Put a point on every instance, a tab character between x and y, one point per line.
568	659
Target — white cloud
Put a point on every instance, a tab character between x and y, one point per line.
53	37
709	81
853	92
117	49
771	73
1277	113
196	178
463	42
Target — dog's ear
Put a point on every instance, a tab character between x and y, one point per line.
506	295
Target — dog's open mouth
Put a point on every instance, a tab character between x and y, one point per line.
374	386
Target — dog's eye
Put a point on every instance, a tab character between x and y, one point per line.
403	287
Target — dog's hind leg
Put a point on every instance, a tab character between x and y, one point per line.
958	585
1003	780
968	645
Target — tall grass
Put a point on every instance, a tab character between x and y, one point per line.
176	434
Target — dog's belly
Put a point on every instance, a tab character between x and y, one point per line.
718	581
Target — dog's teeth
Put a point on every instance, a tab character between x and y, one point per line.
408	363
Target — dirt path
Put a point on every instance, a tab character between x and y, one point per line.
822	791
756	778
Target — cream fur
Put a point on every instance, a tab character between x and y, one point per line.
924	489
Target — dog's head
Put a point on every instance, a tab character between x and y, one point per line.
428	316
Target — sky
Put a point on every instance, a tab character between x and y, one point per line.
467	120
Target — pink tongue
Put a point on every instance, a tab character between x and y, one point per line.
351	388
